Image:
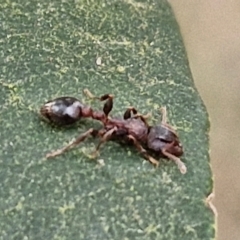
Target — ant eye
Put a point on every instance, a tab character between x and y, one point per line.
164	140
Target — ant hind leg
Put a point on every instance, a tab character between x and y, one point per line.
73	143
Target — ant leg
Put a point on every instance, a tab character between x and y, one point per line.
133	110
107	108
164	115
128	112
180	164
105	137
88	93
143	117
73	143
164	120
143	151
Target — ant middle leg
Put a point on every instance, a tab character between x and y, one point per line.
135	113
143	151
107	108
128	112
73	143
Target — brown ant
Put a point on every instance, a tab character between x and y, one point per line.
161	139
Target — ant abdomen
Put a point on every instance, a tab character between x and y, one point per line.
62	110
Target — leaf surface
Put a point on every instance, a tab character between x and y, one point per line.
132	49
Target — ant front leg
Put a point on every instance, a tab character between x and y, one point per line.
107	108
73	143
164	120
143	151
164	115
133	110
182	167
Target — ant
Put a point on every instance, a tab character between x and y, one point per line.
161	139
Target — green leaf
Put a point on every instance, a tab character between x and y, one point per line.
132	49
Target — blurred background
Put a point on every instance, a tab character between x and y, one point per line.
211	34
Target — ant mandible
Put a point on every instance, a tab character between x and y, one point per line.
161	139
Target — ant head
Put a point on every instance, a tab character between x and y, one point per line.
161	137
175	148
